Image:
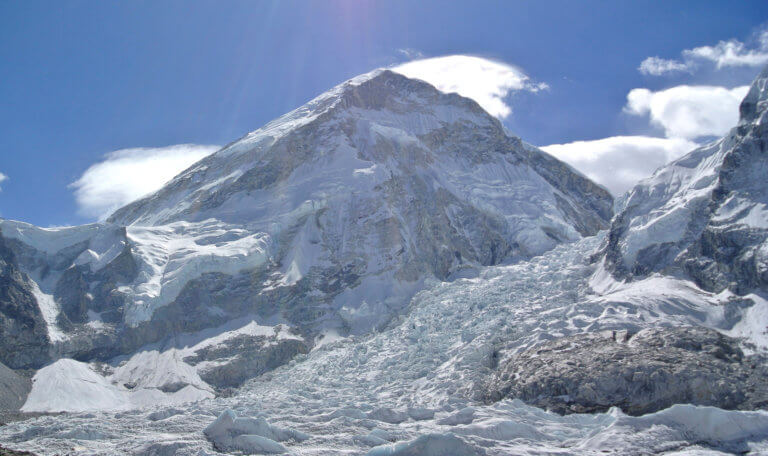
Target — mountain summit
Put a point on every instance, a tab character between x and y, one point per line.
377	128
381	181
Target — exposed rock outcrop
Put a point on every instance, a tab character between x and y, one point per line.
14	389
243	358
640	373
24	340
9	452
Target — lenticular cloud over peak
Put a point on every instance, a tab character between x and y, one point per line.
486	81
128	174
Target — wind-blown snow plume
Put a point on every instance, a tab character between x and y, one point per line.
488	82
128	174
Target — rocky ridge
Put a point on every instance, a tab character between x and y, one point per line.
640	373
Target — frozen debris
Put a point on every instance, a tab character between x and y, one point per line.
382	434
370	440
250	435
429	445
167	449
463	416
713	428
420	413
387	415
164	414
349	412
256	444
501	429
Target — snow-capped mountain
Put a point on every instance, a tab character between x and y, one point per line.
704	215
386	271
323	222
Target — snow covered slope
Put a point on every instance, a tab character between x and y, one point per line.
705	214
375	185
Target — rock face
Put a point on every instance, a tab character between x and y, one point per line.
24	340
705	214
327	219
244	357
14	389
357	197
640	373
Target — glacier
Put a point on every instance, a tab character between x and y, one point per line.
416	377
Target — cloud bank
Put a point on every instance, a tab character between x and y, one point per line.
488	82
730	53
689	111
3	178
618	162
128	174
684	114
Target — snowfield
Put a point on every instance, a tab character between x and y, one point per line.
408	390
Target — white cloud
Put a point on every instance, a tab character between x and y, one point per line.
731	53
685	114
3	178
618	162
486	81
128	174
689	111
411	54
657	66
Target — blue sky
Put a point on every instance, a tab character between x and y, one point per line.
82	79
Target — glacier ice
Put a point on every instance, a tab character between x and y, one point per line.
429	360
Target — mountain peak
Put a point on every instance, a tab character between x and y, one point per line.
376	104
756	102
375	90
